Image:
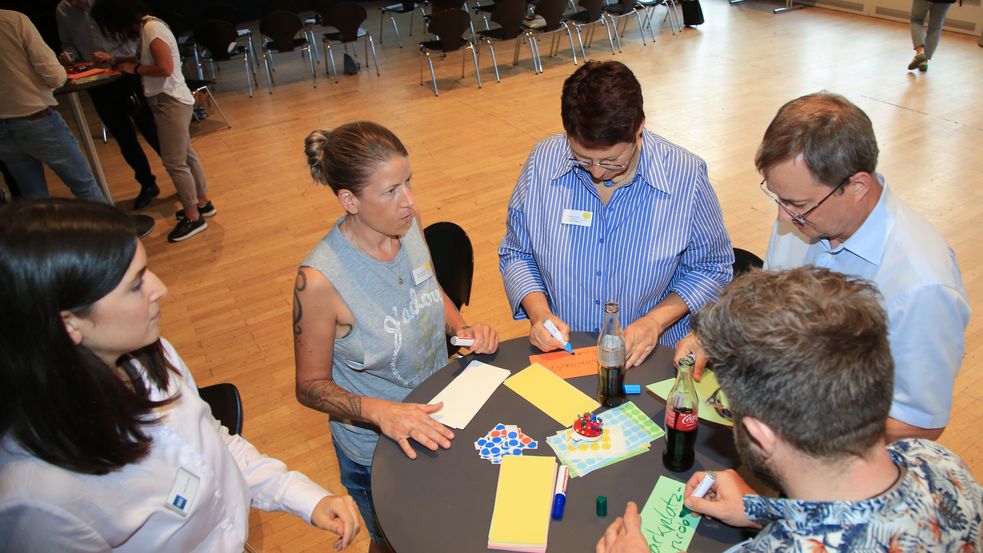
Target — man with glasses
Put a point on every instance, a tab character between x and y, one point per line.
611	211
819	160
804	357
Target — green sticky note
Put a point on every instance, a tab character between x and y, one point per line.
664	526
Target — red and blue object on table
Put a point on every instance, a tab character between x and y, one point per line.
589	426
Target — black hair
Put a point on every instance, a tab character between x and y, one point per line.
59	400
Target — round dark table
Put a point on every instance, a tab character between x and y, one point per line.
70	89
443	500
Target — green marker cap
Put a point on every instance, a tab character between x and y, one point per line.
602	506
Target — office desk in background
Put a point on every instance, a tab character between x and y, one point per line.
443	500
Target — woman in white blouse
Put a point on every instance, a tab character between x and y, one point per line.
104	442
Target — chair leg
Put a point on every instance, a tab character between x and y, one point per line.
641	31
252	54
382	20
474	56
537	59
498	76
433	75
329	55
269	74
399	40
218	106
310	61
607	28
375	59
580	39
245	67
312	42
573	49
612	24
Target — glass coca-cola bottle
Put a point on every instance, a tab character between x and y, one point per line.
611	359
682	420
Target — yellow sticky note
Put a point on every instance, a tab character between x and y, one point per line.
522	502
551	394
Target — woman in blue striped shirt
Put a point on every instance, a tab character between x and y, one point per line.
610	211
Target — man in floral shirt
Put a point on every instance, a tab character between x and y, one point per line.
803	357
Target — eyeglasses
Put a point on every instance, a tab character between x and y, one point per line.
800	217
586	165
719	402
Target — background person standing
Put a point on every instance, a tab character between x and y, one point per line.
925	45
120	104
31	133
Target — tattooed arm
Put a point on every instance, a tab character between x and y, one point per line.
319	314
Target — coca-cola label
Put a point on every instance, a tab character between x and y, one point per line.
683	422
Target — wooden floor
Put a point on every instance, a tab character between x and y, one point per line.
711	90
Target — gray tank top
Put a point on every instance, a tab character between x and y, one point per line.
398	337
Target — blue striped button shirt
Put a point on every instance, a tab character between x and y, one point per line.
661	233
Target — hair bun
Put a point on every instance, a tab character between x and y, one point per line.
315	146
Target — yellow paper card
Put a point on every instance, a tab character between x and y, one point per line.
522	501
551	394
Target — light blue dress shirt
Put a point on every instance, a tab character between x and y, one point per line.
927	307
661	233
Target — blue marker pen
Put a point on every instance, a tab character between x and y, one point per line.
555	332
560	492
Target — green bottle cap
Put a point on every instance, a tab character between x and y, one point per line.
602	506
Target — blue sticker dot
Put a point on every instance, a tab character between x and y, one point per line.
513	443
499	426
516	452
496	440
513	434
485	451
496	450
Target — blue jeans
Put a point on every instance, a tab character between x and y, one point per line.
27	143
357	479
920	9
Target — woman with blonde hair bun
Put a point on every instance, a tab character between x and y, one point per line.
370	319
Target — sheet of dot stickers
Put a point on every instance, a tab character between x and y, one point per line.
504	439
638	431
610	444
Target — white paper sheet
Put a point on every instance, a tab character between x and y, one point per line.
465	395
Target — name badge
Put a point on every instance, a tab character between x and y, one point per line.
422	273
183	492
579	218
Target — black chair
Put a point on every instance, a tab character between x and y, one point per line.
508	14
225	403
549	22
744	261
591	14
453	262
622	10
347	17
230	14
405	7
219	40
649	8
279	29
449	27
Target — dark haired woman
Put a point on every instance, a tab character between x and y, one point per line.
370	319
105	442
158	63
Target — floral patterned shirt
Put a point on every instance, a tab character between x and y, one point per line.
936	506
